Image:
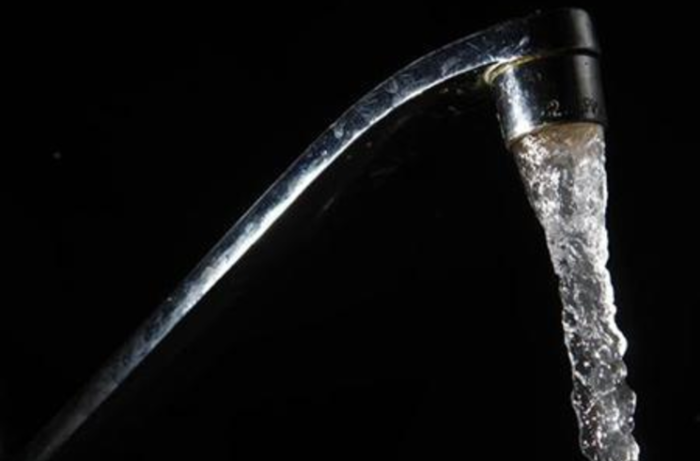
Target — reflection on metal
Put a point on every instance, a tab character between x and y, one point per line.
540	70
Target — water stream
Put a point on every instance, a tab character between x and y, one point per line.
563	169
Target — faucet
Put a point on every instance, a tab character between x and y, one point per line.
540	70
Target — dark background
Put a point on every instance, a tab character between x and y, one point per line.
420	320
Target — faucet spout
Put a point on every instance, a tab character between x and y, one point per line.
558	89
539	70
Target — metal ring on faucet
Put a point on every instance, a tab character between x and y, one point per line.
550	90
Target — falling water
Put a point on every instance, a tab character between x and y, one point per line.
563	168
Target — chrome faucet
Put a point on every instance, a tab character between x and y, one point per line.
539	70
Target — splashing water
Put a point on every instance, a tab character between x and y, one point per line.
563	168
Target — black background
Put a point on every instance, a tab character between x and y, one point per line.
421	320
